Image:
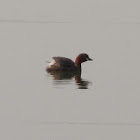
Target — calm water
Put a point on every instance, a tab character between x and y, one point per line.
102	105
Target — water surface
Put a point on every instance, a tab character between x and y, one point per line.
103	104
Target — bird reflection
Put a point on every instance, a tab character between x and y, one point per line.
60	76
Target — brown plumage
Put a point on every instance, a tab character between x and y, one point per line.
62	63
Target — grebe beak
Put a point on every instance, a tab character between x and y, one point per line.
89	59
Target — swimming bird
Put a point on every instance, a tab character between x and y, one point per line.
66	64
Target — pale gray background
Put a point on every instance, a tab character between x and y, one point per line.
35	107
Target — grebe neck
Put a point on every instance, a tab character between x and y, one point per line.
78	63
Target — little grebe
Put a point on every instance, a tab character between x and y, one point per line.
62	63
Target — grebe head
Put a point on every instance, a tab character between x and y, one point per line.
83	57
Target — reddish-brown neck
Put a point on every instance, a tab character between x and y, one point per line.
78	62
